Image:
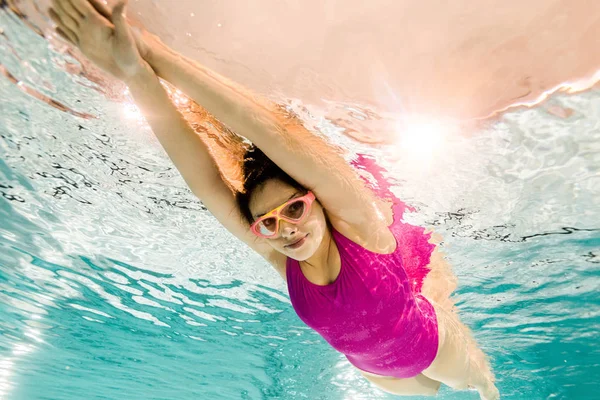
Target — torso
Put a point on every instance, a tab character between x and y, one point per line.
373	311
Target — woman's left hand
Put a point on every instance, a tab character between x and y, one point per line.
106	40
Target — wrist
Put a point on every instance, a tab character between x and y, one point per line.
152	50
141	78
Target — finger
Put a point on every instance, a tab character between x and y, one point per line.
83	6
66	36
101	8
66	19
69	9
57	20
118	19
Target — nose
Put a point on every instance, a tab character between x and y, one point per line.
287	229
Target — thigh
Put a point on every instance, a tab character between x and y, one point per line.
452	363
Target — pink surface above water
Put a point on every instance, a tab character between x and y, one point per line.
459	59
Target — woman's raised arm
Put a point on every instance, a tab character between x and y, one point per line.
191	156
306	157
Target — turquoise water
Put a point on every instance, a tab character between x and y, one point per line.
116	283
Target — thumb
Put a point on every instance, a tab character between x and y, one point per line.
118	19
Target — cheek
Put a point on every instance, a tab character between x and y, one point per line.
316	226
317	221
311	225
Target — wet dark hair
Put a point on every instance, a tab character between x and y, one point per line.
257	169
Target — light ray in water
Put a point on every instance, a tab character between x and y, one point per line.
421	138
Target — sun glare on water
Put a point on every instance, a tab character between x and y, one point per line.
421	139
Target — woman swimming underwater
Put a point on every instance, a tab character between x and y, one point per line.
304	209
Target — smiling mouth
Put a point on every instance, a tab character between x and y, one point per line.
297	241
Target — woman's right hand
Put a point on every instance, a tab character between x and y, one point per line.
106	40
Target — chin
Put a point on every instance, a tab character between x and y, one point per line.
300	254
306	251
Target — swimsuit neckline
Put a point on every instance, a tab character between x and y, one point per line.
337	242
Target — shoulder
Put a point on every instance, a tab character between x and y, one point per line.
374	236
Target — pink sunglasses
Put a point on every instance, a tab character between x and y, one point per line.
293	211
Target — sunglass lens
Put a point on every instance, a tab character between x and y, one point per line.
294	210
267	226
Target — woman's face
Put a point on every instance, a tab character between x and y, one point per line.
274	193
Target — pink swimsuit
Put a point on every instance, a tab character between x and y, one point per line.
374	312
370	313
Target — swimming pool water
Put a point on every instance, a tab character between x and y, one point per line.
116	283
